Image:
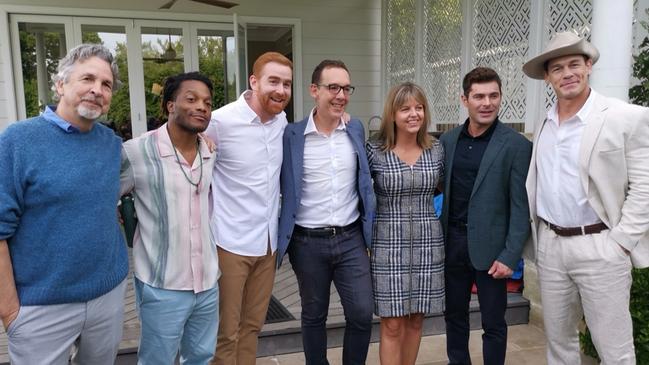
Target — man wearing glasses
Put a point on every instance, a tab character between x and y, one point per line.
326	216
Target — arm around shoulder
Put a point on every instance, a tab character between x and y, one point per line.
126	175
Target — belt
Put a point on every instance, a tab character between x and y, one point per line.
576	231
325	232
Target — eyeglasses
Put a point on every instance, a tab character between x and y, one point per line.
334	89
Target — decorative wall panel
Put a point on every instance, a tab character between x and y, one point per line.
400	41
442	62
501	31
566	15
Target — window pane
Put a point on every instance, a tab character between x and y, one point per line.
41	47
162	56
114	38
212	62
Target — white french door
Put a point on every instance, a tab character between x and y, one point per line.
153	50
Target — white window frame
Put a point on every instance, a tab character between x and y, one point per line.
10	51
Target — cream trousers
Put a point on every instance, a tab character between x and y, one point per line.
587	276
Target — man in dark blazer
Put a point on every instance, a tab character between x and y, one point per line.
485	216
326	216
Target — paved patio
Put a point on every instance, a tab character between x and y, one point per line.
525	345
526	342
285	290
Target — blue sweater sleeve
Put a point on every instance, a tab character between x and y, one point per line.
10	185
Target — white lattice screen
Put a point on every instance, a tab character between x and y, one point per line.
400	41
500	40
442	63
566	15
425	44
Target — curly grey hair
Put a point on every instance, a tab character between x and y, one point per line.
81	53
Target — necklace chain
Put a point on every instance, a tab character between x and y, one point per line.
200	159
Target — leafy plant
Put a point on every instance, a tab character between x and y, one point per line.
639	94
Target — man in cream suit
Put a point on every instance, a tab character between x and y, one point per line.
588	188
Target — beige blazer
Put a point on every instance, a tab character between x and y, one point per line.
614	170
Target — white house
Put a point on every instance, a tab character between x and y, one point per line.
305	30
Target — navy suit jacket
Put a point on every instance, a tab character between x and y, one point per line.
291	181
498	218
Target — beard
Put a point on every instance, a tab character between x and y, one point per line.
271	107
89	113
192	129
185	125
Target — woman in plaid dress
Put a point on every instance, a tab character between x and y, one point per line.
407	259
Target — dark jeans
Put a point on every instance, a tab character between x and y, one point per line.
343	259
492	295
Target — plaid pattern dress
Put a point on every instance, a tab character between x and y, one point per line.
407	259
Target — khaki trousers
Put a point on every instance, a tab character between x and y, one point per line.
589	276
245	286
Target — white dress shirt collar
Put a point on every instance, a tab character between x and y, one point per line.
311	127
582	114
249	115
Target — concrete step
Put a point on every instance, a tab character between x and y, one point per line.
285	337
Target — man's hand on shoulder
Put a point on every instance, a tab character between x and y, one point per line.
210	144
499	270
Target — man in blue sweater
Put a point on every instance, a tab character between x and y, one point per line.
63	261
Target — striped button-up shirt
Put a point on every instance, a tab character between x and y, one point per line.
173	247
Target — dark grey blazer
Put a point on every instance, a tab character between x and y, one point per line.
498	218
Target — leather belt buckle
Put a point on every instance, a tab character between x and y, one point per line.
576	231
326	232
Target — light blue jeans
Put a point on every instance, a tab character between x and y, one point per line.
175	321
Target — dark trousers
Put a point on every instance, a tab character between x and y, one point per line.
342	259
460	276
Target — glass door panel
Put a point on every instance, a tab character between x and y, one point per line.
212	61
114	38
41	46
231	67
162	56
240	54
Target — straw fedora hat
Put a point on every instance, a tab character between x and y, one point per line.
561	44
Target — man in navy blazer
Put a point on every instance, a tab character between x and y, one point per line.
326	216
485	216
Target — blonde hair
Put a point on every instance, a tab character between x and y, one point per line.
398	96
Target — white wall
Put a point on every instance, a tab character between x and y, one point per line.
7	99
3	92
348	30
